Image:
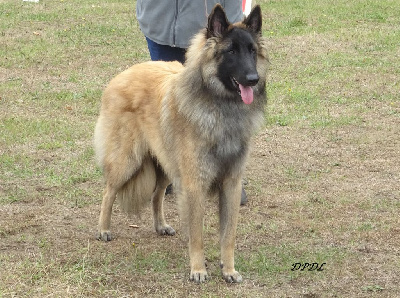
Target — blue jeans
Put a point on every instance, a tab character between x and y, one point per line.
159	52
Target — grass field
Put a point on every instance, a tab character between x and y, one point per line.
323	179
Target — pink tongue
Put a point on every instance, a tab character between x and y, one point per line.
247	94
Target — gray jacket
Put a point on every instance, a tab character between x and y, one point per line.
174	22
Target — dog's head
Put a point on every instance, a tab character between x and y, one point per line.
237	51
232	58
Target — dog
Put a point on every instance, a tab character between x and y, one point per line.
191	124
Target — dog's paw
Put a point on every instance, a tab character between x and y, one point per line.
232	277
198	276
165	230
104	236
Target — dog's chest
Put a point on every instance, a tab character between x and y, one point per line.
227	142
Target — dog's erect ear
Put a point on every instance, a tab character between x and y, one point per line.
217	22
254	20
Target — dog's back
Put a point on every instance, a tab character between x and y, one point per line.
131	99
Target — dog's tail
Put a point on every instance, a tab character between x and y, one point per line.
138	190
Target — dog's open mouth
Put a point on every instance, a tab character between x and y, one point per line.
245	92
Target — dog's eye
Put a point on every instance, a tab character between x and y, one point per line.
253	52
231	52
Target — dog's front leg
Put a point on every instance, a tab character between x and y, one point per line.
229	203
193	213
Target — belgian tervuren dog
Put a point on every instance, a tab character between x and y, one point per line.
190	124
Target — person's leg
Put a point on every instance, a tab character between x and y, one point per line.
243	199
160	52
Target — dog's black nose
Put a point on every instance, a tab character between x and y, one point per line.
252	79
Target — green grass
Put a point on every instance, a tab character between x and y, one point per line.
322	181
344	41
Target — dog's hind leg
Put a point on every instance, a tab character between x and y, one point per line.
109	196
116	176
229	203
162	228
